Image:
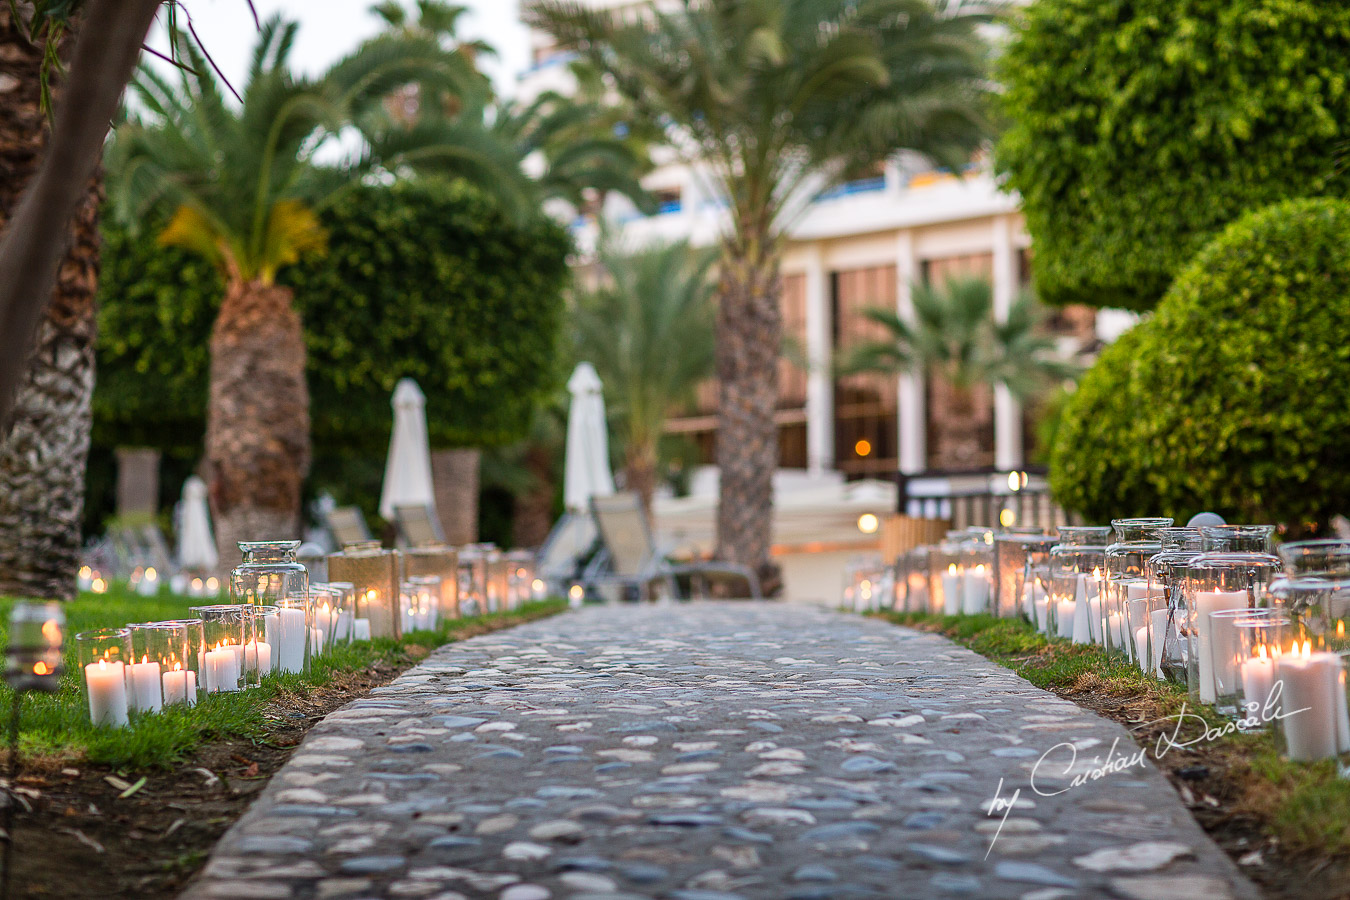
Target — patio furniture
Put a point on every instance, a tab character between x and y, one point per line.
563	556
417	526
632	560
347	525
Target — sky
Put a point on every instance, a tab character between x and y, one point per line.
329	29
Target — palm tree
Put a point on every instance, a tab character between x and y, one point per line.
780	99
648	330
244	193
43	454
955	339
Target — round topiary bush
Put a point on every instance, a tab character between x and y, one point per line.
1235	396
1138	130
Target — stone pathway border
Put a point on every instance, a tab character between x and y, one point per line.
712	752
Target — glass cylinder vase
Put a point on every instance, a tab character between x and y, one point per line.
194	653
268	573
226	630
1013	554
1077	573
1214	582
1237	538
436	562
1136	540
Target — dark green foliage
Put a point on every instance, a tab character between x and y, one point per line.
1139	129
423	279
430	281
1232	397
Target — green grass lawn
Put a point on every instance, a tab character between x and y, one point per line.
1305	806
56	726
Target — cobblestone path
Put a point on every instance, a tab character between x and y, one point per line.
709	752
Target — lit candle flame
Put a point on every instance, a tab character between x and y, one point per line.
1261	651
1096	573
40	668
951	569
1307	649
51	630
1340	628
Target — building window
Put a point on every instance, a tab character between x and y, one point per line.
667	200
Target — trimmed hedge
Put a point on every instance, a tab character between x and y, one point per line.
1233	397
424	279
1139	128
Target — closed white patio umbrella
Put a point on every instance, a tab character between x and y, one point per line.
587	471
407	473
196	544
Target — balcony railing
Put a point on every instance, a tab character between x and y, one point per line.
848	188
984	497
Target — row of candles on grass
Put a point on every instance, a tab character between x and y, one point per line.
280	622
1259	635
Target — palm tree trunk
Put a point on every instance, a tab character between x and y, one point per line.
257	421
43	457
749	329
640	471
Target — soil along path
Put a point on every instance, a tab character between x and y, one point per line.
707	752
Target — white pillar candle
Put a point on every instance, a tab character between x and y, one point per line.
316	641
223	668
145	686
1083	631
258	656
1207	602
1258	678
291	636
343	630
272	629
360	629
180	686
918	593
1042	615
1141	648
107	687
1065	613
952	593
1158	637
975	597
1312	684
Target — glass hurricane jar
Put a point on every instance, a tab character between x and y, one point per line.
1165	571
268	573
977	565
103	656
1135	541
374	574
1261	641
520	565
1237	538
1013	555
1077	572
419	603
473	579
194	653
436	562
226	630
914	575
1214	582
947	574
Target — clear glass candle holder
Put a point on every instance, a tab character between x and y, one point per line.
103	655
177	671
520	567
1214	582
947	574
436	562
1311	675
268	573
497	569
1261	641
419	604
915	575
1237	538
332	614
1166	571
35	657
1136	540
1148	618
374	574
977	565
1077	574
157	648
1013	553
295	636
226	630
1226	654
194	654
473	579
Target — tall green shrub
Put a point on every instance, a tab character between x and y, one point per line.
1233	397
1139	128
424	279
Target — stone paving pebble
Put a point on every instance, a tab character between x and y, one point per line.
712	752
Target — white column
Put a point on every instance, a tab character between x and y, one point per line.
913	439
1007	411
819	381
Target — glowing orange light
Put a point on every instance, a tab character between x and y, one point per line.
40	668
863	447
